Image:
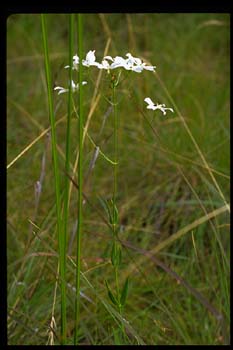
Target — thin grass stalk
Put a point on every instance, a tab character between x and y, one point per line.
69	111
56	177
67	159
80	181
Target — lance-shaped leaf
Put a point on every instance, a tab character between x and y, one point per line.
111	295
124	292
107	208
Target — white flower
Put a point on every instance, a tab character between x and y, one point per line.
75	62
162	107
61	89
120	62
117	62
137	65
74	87
133	60
90	59
104	65
130	63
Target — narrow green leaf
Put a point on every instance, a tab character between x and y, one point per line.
111	295
124	292
107	209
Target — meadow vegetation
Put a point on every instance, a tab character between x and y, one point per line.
173	182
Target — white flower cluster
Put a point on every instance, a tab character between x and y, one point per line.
130	63
108	63
162	107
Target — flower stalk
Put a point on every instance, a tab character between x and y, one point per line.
115	153
116	248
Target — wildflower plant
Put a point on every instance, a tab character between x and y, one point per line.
113	67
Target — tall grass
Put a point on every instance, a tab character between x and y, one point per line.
61	237
80	179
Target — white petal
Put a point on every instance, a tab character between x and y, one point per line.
76	58
120	62
108	58
150	68
148	100
137	69
90	59
90	55
96	64
73	85
151	107
62	91
119	59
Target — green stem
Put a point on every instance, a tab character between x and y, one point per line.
80	182
115	193
117	285
115	152
118	298
57	181
67	162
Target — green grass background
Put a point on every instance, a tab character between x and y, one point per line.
191	53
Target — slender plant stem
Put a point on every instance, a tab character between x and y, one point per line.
118	295
117	284
118	298
57	180
115	152
115	224
80	182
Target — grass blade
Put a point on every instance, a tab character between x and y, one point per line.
80	182
57	179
